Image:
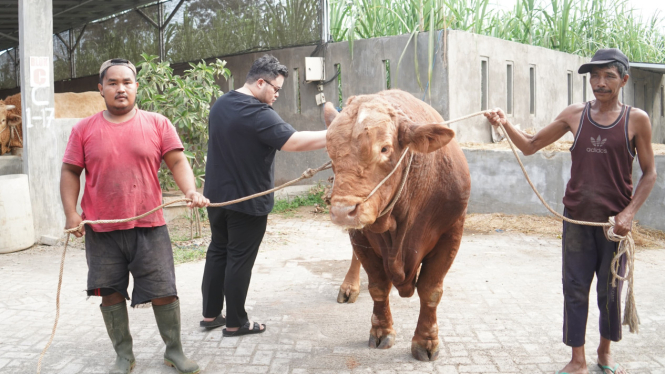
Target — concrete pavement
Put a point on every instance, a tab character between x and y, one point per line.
501	312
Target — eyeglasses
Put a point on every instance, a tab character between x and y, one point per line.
273	86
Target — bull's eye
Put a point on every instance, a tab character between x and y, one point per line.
384	149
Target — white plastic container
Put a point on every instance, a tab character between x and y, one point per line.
17	229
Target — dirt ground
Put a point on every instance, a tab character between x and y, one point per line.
542	226
558	146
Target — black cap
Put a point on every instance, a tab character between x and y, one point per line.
604	56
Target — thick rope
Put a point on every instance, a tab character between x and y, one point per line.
408	168
305	175
57	307
626	246
399	190
389	174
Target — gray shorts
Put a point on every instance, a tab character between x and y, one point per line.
144	251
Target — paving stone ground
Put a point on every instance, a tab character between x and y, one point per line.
501	312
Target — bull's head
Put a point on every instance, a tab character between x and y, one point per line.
365	142
6	118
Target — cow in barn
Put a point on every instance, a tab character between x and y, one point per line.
67	105
414	243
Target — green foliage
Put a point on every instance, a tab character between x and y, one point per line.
224	27
185	100
573	26
187	254
314	197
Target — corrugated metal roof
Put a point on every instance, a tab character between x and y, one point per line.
67	14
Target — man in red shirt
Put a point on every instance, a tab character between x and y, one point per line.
121	150
608	134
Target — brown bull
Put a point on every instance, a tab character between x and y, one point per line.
67	105
414	244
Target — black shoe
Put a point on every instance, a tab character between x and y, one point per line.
217	322
245	330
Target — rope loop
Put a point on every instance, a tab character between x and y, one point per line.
306	174
626	247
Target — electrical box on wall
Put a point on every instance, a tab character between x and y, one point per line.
314	69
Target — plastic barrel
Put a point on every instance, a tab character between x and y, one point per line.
17	229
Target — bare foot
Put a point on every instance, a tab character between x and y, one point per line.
212	319
574	367
608	364
232	329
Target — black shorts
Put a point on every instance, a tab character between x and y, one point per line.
144	251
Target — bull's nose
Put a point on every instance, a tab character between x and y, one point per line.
345	215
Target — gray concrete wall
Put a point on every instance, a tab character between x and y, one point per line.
11	165
498	185
465	52
364	73
39	131
639	83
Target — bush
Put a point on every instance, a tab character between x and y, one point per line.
185	101
315	197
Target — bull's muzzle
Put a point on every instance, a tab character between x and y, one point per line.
345	215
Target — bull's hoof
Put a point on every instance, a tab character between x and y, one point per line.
381	342
427	350
347	294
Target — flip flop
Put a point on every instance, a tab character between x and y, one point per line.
245	330
561	372
613	370
217	322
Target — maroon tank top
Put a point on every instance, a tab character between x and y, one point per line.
601	183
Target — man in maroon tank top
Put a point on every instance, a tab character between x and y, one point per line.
608	135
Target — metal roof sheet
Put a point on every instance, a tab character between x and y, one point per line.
67	14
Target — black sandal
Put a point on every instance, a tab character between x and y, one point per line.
217	322
244	330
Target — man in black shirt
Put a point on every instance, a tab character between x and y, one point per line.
245	132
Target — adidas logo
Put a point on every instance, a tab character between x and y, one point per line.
598	143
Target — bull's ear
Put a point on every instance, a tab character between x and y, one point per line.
329	113
424	138
13	119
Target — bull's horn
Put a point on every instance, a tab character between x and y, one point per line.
10	107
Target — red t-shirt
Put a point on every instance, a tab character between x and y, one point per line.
121	162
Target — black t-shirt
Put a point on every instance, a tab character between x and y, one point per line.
244	135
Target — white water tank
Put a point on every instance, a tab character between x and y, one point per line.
17	229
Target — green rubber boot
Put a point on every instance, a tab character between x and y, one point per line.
168	322
117	325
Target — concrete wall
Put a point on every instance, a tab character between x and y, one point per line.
455	92
49	157
643	82
465	53
364	73
11	165
498	185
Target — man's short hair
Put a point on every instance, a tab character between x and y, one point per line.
621	68
267	68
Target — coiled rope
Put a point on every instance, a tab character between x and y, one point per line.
626	243
305	175
626	247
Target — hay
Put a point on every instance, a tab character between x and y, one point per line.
546	226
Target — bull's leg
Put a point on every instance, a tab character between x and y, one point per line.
382	334
425	342
350	288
